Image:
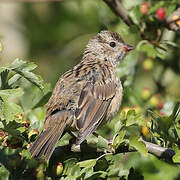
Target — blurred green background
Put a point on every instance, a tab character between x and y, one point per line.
53	35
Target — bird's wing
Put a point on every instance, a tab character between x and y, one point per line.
92	107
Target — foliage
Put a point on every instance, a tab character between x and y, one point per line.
150	109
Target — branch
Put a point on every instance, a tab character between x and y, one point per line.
159	151
86	151
173	20
119	10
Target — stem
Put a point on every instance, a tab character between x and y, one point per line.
119	10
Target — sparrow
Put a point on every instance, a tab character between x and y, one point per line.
86	96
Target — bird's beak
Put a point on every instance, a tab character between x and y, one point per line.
126	48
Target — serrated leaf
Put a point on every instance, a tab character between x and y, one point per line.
26	154
133	118
23	68
11	93
13	80
140	146
87	163
10	110
102	143
176	157
34	79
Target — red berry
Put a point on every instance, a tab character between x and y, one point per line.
59	169
160	104
144	7
2	134
160	13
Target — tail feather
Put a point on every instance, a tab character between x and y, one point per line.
53	128
46	142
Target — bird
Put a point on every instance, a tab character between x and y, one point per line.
86	96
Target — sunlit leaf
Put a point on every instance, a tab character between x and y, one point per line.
176	157
87	163
140	146
119	139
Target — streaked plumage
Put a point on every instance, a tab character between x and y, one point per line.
86	96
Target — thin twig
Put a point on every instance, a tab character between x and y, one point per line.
173	21
119	10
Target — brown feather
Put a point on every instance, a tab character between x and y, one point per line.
46	142
93	104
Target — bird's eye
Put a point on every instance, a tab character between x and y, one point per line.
112	44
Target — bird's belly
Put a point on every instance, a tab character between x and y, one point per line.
115	103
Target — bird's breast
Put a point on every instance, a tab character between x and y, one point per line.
116	101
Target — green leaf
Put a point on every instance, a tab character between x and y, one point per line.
148	49
87	163
4	173
4	79
140	146
26	154
135	15
133	118
11	93
10	110
69	165
102	143
176	157
176	111
119	139
23	68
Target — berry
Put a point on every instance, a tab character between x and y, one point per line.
145	131
154	101
146	93
126	109
26	124
33	132
175	18
148	64
144	8
160	104
40	172
59	169
137	109
160	13
2	135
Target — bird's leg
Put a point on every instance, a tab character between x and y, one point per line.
75	147
72	134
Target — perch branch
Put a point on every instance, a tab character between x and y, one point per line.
154	149
119	10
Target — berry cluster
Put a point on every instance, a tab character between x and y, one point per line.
160	12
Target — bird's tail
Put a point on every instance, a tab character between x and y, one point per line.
46	142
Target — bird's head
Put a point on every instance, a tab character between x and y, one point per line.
108	46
